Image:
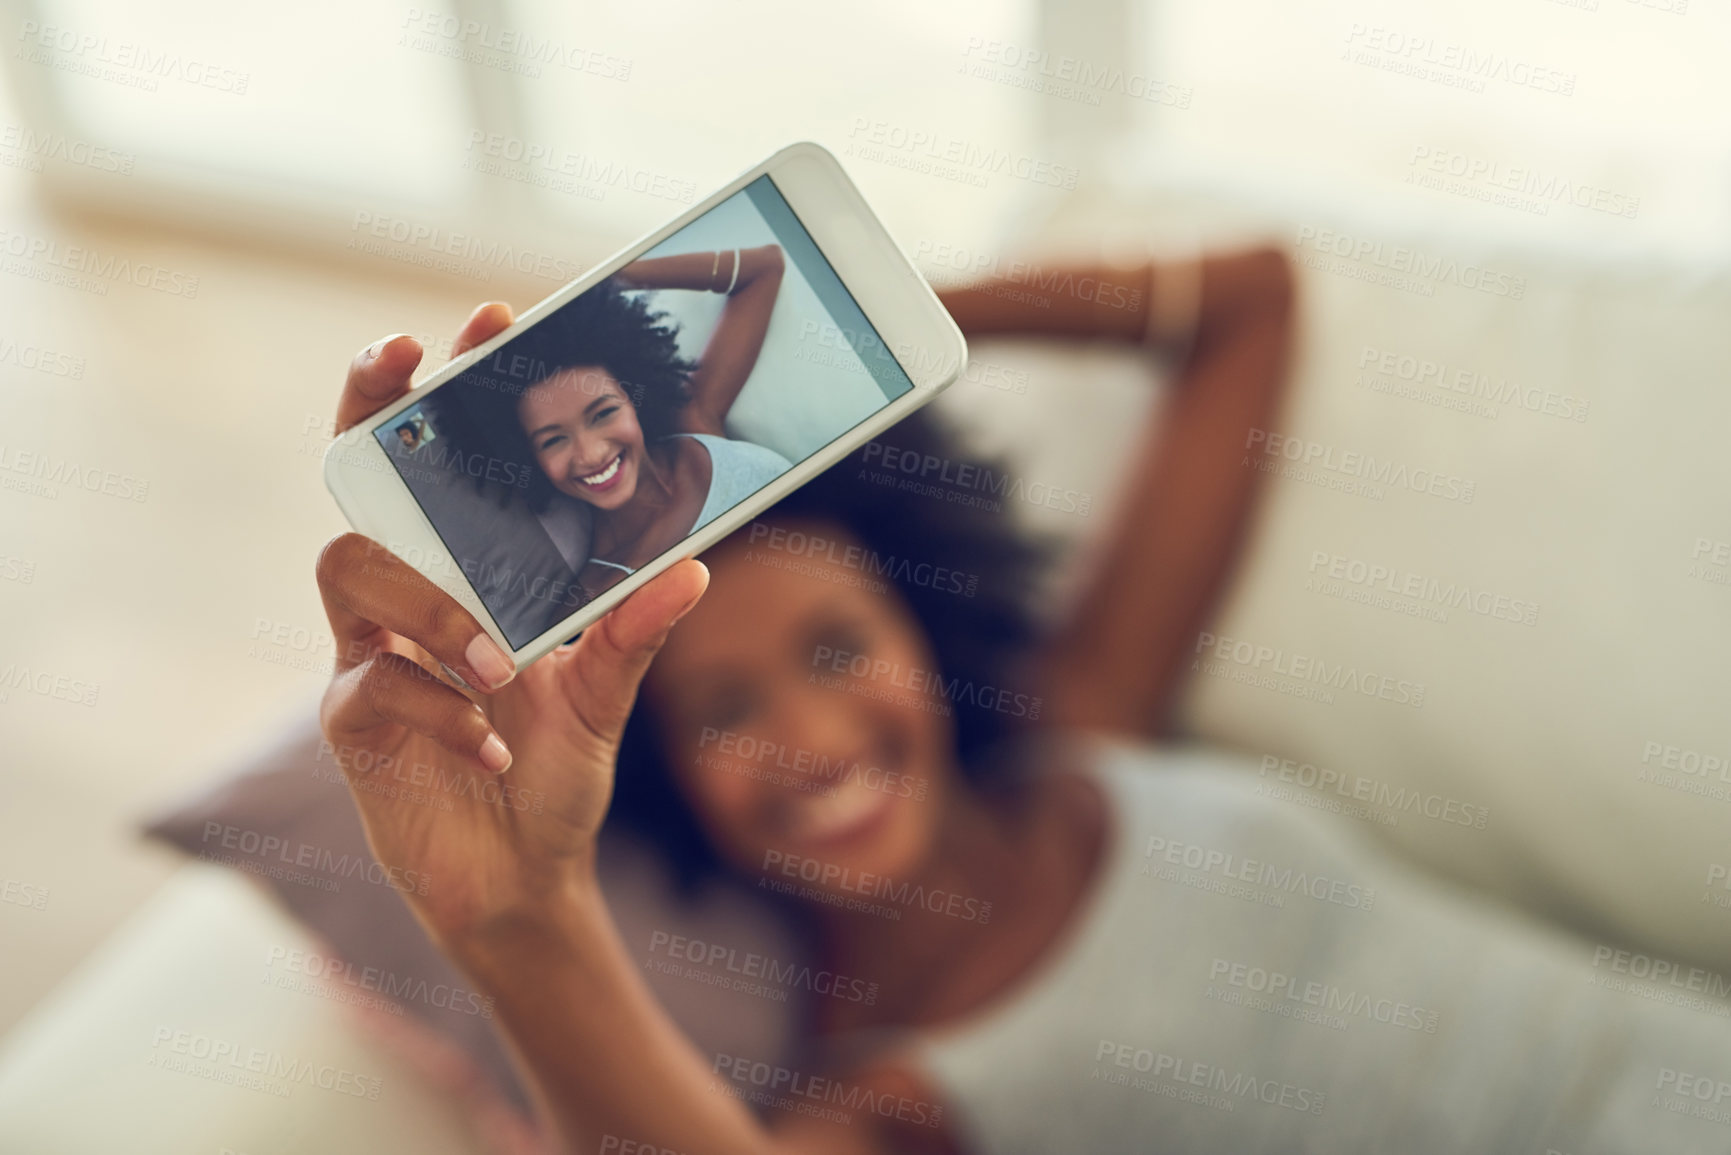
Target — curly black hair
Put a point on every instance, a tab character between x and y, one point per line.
604	326
977	640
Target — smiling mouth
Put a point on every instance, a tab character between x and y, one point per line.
843	813
604	477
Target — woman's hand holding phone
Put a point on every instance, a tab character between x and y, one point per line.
426	761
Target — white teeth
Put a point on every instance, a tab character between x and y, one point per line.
605	475
820	816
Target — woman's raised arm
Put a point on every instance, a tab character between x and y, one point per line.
751	278
1116	663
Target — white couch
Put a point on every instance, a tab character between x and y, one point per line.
1546	728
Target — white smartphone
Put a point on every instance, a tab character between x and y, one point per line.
652	406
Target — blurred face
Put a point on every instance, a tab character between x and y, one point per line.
585	435
796	719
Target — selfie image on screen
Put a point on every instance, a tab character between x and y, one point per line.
641	410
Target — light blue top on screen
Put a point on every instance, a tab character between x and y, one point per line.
737	469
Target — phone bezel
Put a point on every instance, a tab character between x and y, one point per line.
882	280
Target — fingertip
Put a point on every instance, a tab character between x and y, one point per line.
392	347
495	756
386	364
487	321
700	585
492	667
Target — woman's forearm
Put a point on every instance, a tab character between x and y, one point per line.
1186	508
733	347
606	1059
706	272
1077	301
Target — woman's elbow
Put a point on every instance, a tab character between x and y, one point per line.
1272	283
1253	289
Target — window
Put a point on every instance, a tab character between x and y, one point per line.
583	120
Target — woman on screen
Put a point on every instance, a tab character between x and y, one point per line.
599	399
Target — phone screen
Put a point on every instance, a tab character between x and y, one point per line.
641	410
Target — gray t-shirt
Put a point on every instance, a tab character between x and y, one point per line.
1249	976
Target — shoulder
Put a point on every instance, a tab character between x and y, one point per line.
1186	800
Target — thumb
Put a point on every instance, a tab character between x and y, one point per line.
608	662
